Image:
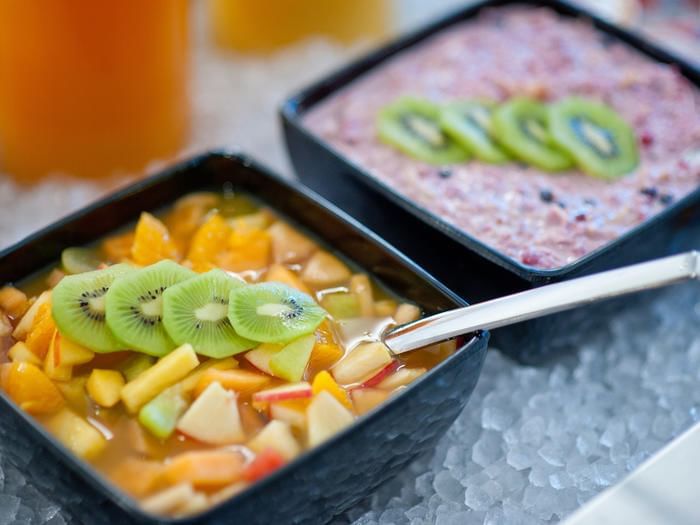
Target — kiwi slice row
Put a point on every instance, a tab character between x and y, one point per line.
154	309
571	132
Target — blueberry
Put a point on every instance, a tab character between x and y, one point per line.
666	199
546	196
650	192
445	173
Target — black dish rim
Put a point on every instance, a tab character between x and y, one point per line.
100	482
292	110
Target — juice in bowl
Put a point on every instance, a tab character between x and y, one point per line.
191	355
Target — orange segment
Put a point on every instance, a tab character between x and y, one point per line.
324	381
248	250
41	332
152	242
137	477
188	214
31	389
118	248
324	355
208	242
241	381
209	469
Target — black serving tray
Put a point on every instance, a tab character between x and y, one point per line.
463	263
328	479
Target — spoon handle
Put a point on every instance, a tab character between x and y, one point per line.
543	300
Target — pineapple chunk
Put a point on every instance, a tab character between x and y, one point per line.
76	434
132	367
192	380
27	321
105	386
169	500
324	270
278	436
74	392
288	245
326	417
68	353
166	372
22	354
213	417
361	363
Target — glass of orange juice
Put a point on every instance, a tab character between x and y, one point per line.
89	87
259	26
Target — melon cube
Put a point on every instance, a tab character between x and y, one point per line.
79	436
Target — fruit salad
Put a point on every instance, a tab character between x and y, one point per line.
201	350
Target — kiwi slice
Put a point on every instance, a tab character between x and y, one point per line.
470	124
196	312
412	125
520	126
273	312
135	307
78	307
599	140
79	260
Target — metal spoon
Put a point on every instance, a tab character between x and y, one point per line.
542	301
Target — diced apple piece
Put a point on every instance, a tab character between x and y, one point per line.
137	477
242	382
258	220
406	313
324	270
341	305
205	469
105	386
288	245
196	504
27	320
281	274
213	417
260	357
290	362
380	376
68	353
13	301
5	325
384	308
401	377
51	369
192	380
19	353
137	363
278	436
263	465
362	362
300	390
361	287
365	399
79	436
292	412
326	417
325	382
30	388
169	500
166	372
159	416
251	420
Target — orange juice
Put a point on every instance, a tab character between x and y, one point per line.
88	87
254	25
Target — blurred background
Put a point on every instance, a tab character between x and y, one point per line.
94	94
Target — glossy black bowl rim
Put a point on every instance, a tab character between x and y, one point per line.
292	110
100	482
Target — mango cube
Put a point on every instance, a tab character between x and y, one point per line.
20	353
105	386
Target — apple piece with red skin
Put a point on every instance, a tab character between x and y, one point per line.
382	375
263	465
362	363
301	390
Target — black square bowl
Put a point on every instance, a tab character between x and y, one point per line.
326	480
462	262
